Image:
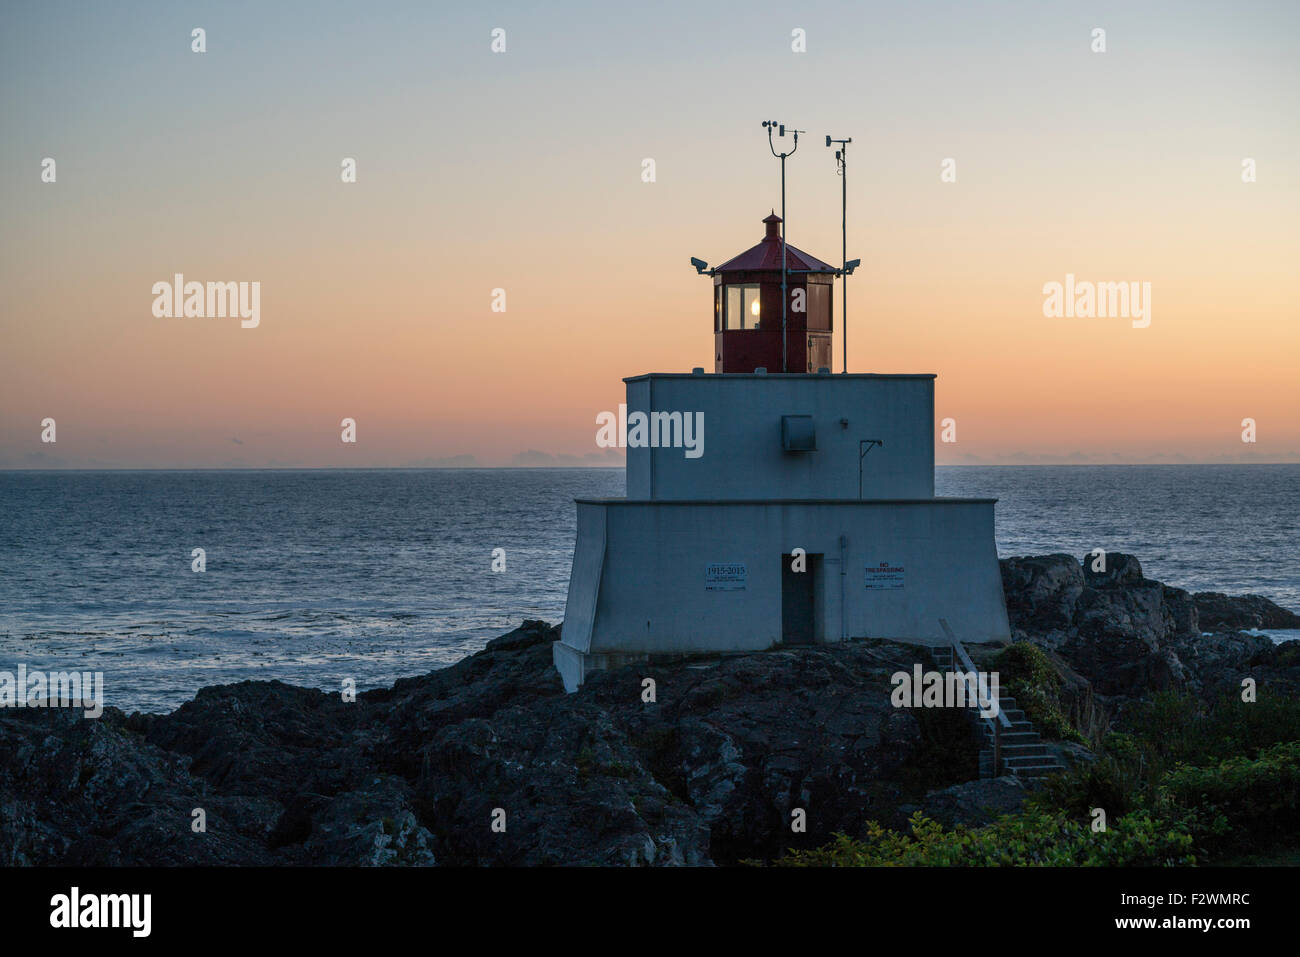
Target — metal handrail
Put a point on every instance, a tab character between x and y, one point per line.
1000	720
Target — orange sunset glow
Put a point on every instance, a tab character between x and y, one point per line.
522	172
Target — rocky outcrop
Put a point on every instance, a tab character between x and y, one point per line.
1042	591
81	791
485	762
1219	612
1129	635
974	803
692	761
1115	568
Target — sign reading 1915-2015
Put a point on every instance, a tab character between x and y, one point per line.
885	575
724	576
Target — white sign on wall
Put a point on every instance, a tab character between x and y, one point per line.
724	576
885	575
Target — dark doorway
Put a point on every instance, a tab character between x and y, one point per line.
798	600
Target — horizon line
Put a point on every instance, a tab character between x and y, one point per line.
597	468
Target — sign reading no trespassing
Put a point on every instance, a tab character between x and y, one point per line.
724	576
885	575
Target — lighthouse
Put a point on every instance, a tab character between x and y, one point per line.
800	510
747	332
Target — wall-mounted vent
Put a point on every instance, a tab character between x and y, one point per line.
798	434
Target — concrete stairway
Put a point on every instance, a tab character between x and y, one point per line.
1023	753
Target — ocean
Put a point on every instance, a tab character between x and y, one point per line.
316	576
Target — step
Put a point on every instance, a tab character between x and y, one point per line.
1026	761
1016	727
1036	770
1020	737
1002	709
1022	727
1037	752
1023	751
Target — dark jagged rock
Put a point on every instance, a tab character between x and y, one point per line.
1112	568
974	803
1069	753
1277	667
1215	664
708	771
74	790
490	762
1129	635
1182	611
1042	591
1219	612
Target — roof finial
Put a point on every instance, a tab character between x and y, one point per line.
773	224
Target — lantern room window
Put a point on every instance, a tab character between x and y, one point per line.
742	306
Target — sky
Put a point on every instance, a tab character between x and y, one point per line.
522	171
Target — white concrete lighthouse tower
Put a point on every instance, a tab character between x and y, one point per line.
767	508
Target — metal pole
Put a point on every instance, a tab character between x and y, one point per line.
842	168
784	295
771	125
844	251
997	748
865	446
844	627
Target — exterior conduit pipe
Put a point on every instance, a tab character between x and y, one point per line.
844	625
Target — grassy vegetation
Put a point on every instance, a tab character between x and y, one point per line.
1026	674
1182	782
1034	838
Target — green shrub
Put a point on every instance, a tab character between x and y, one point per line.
1120	745
1237	727
1026	674
1110	782
1169	727
1242	802
1034	838
1228	773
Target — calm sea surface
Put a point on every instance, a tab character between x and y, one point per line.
316	576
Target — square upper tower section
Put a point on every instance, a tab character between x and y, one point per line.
770	436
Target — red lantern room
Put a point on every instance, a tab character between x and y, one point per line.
747	309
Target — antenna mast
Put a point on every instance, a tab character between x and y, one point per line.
842	168
771	125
